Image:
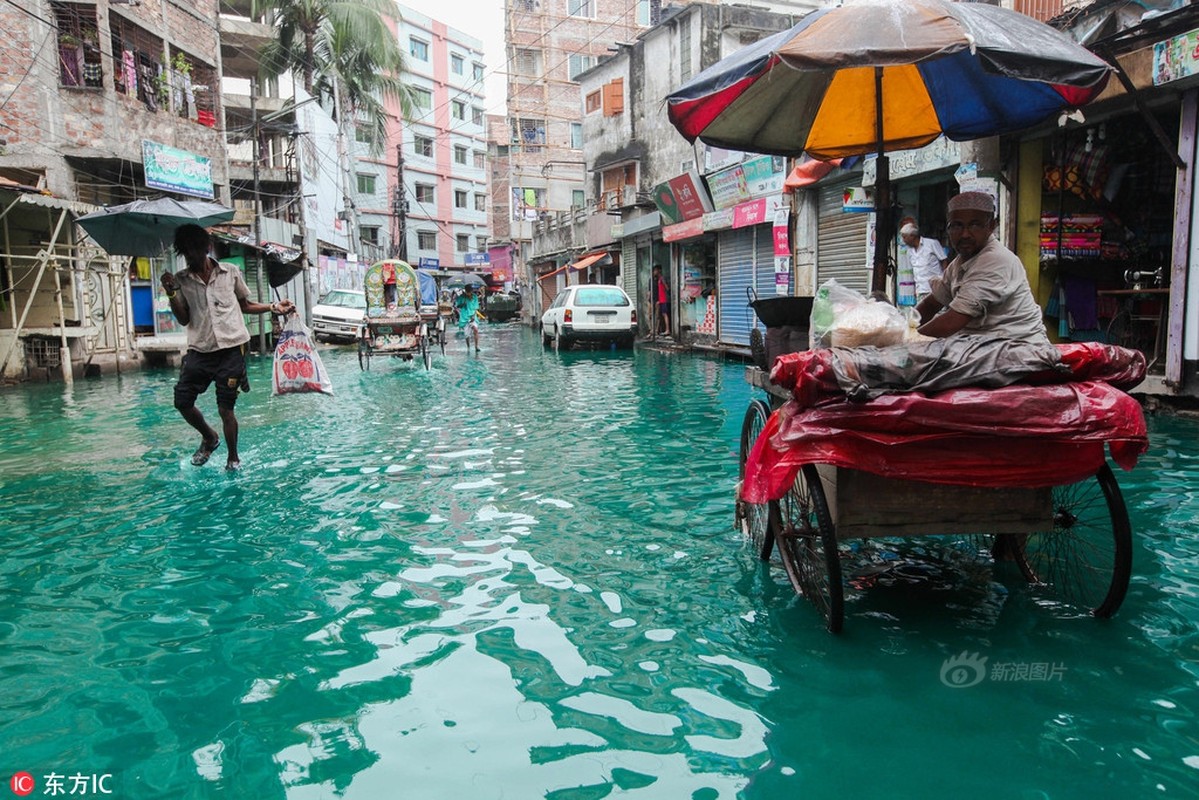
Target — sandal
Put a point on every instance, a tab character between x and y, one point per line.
232	465
200	457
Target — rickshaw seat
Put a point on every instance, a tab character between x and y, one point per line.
407	287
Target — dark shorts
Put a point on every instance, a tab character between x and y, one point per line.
226	368
664	308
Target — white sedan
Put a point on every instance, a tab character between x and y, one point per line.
339	315
589	312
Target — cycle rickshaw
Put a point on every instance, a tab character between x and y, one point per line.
393	324
1018	473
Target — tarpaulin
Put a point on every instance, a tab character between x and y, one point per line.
1014	436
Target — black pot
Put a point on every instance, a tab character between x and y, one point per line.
775	312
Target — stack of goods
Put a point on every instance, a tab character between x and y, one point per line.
1079	236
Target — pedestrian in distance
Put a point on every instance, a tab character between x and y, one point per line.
984	289
468	312
659	293
209	298
926	256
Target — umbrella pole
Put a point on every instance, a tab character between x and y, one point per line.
882	198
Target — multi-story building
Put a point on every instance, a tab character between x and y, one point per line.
105	102
439	155
539	168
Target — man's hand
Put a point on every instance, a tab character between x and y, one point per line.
170	284
283	307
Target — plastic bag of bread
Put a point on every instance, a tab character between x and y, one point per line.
842	317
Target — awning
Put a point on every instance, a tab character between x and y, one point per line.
551	274
591	258
808	173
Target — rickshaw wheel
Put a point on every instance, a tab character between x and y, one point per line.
753	519
1087	558
364	355
441	334
425	355
808	545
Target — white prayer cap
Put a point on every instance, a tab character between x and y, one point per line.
972	201
909	230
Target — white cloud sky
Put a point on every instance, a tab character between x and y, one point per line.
484	20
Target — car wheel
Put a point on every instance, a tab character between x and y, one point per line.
320	337
547	341
560	342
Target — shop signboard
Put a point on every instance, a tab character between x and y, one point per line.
756	177
939	154
1176	58
501	263
857	199
477	259
683	230
174	170
681	198
428	263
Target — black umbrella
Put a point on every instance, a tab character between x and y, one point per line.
147	227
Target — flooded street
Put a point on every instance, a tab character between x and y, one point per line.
515	576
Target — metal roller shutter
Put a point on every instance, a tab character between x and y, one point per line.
628	267
764	275
841	241
736	265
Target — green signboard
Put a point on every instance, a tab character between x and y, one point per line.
174	170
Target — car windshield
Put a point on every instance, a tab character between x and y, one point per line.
600	296
345	299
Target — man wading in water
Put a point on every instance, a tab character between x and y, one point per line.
209	298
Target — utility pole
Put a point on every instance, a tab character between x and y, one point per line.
299	157
259	277
400	245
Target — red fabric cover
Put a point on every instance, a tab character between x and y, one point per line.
1017	436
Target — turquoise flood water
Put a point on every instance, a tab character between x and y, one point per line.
515	577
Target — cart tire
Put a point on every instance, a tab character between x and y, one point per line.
441	335
425	355
1087	558
364	355
807	544
753	519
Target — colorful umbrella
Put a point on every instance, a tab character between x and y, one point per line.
872	78
147	227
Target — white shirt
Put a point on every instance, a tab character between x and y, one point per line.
926	259
214	307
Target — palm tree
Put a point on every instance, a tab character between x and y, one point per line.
345	52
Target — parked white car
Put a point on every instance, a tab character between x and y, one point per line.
589	312
339	315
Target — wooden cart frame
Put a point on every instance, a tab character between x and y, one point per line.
1075	540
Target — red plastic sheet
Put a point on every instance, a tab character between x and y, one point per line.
1020	435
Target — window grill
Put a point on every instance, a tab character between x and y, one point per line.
42	352
79	62
137	61
194	89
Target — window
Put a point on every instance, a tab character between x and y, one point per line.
458	109
480	159
362	133
79	62
527	202
529	134
457	64
580	8
592	102
424	193
463	243
422	146
426	240
645	14
477	71
369	234
418	49
527	62
459	154
579	64
188	78
576	135
476	115
480	201
578	198
422	99
459	198
614	97
141	52
366	184
525	5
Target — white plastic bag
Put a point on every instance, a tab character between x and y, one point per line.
298	366
842	317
